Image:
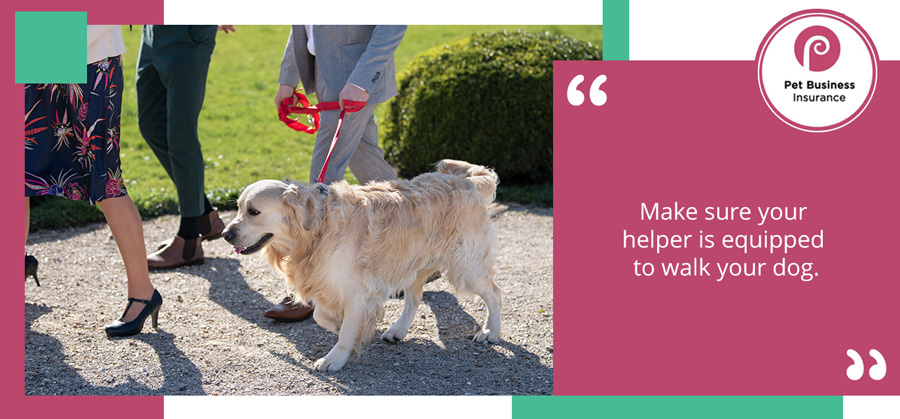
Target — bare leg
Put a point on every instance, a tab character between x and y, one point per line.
125	223
27	217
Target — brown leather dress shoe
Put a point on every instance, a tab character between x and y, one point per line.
287	311
216	227
174	255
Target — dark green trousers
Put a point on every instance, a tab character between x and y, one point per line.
171	82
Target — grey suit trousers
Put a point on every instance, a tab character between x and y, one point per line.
356	148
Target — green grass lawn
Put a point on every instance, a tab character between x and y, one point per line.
243	140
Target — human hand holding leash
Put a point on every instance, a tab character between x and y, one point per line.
284	92
354	93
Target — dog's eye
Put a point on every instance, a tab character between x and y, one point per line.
253	212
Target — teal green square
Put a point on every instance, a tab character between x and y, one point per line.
51	47
616	30
678	407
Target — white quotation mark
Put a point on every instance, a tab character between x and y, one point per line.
879	370
576	98
856	371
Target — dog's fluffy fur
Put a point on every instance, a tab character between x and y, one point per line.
347	248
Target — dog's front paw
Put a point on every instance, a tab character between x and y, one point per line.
393	335
486	335
325	364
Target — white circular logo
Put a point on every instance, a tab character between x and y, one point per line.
817	70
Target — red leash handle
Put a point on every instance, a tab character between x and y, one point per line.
288	108
303	107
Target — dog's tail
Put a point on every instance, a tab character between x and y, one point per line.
484	179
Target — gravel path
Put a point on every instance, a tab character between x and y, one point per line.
214	340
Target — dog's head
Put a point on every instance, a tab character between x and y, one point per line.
275	212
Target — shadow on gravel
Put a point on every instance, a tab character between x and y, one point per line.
454	365
63	234
229	289
48	373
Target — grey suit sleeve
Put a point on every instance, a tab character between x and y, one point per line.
369	68
289	74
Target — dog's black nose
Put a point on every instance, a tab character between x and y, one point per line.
228	235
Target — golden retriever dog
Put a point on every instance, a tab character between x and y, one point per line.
347	248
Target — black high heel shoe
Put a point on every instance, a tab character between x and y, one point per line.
122	328
31	265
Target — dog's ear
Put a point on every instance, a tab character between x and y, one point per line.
304	206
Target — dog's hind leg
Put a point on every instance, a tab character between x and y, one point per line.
471	270
490	332
412	297
475	274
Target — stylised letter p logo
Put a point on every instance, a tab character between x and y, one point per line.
817	48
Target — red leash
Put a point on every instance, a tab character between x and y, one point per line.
287	108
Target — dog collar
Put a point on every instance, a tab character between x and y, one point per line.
322	189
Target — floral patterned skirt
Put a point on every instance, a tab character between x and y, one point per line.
72	136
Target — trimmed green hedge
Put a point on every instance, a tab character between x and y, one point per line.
485	99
